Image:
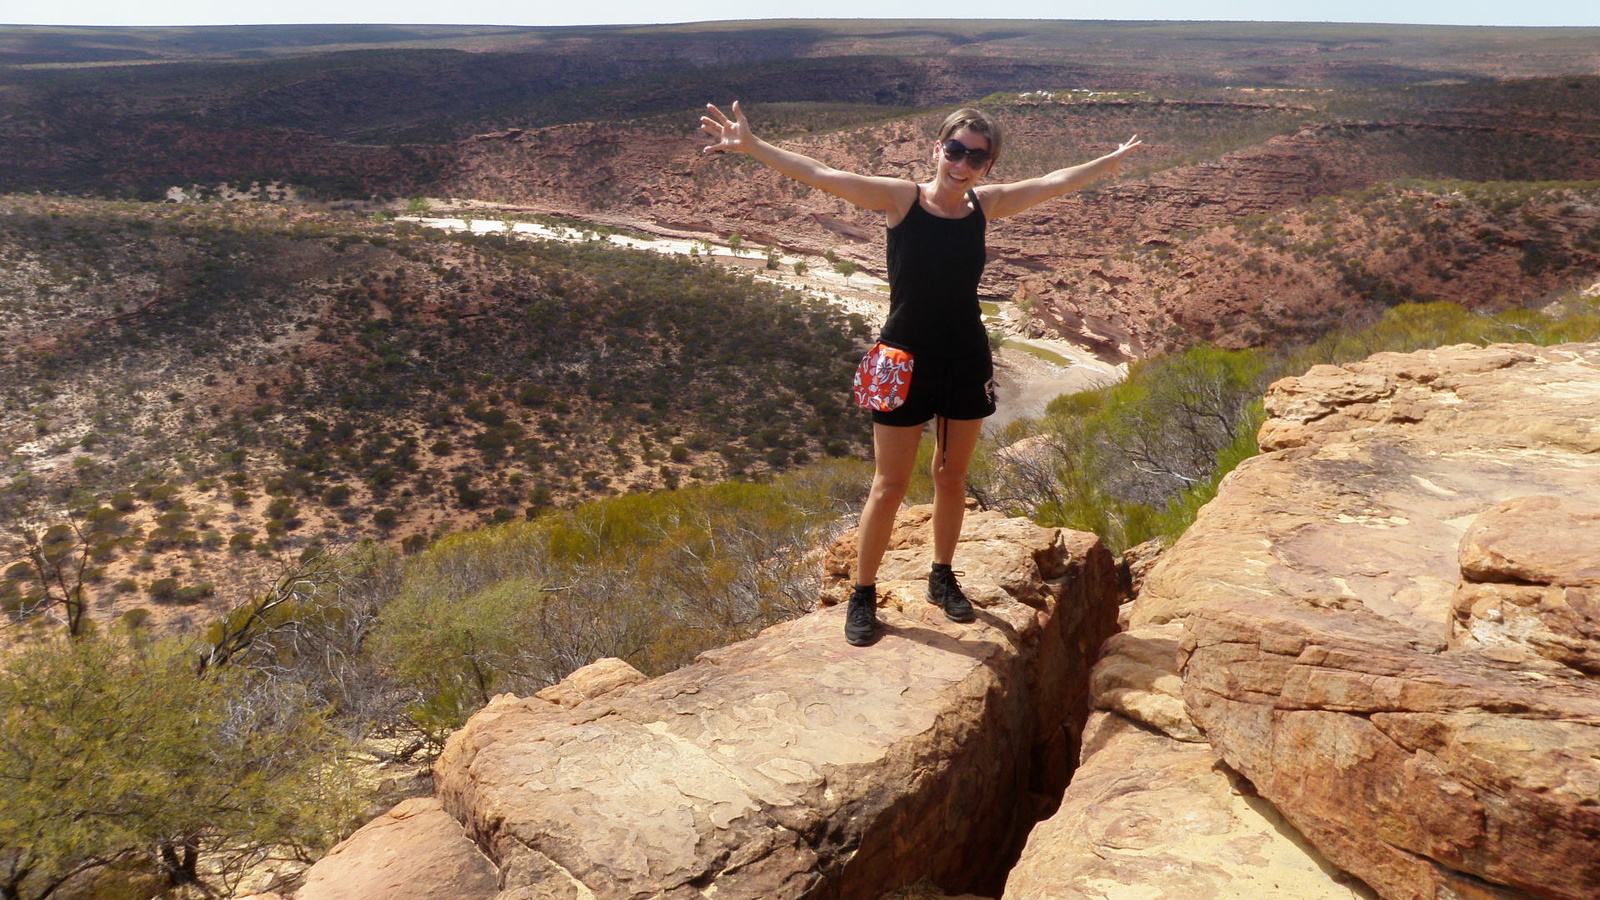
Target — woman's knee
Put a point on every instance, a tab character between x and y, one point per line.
890	486
949	478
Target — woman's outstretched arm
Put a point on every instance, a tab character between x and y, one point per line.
1001	200
892	195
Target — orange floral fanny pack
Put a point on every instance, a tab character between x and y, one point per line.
883	378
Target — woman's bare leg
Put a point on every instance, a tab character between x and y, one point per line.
957	438
894	455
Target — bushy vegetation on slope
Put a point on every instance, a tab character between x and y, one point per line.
126	773
1335	263
653	579
193	387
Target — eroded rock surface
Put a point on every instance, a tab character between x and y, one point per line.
1368	668
1530	570
793	764
1137	678
1390	619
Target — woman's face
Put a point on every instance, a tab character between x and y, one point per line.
960	173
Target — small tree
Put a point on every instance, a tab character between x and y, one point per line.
56	560
118	754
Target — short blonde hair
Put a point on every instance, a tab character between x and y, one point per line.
975	121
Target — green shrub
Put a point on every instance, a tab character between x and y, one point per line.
163	495
193	593
163	590
519	605
135	618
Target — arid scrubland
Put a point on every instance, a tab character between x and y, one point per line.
332	481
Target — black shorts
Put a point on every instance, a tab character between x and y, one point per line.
954	389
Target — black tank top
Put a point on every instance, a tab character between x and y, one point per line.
934	267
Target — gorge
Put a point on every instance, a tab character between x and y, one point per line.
560	513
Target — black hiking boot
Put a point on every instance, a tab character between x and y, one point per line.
861	619
944	591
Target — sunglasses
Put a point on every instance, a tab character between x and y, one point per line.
954	150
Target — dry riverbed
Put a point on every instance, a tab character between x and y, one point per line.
1030	372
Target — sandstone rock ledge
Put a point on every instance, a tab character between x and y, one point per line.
1153	813
1387	626
791	765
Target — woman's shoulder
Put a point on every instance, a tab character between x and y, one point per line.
905	196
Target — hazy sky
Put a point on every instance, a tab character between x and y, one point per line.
578	12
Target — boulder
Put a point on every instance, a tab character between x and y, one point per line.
1011	560
1137	562
415	851
1535	540
1363	493
593	680
1152	811
793	764
1390	624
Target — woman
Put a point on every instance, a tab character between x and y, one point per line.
936	254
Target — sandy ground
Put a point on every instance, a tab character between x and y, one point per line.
1025	382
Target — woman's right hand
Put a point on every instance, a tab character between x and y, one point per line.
892	195
730	134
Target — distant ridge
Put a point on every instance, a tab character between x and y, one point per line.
1120	46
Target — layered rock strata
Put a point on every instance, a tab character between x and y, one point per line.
1386	625
1347	675
790	765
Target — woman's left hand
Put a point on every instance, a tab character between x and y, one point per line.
731	134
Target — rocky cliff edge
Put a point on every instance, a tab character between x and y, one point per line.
1368	670
789	765
1373	655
